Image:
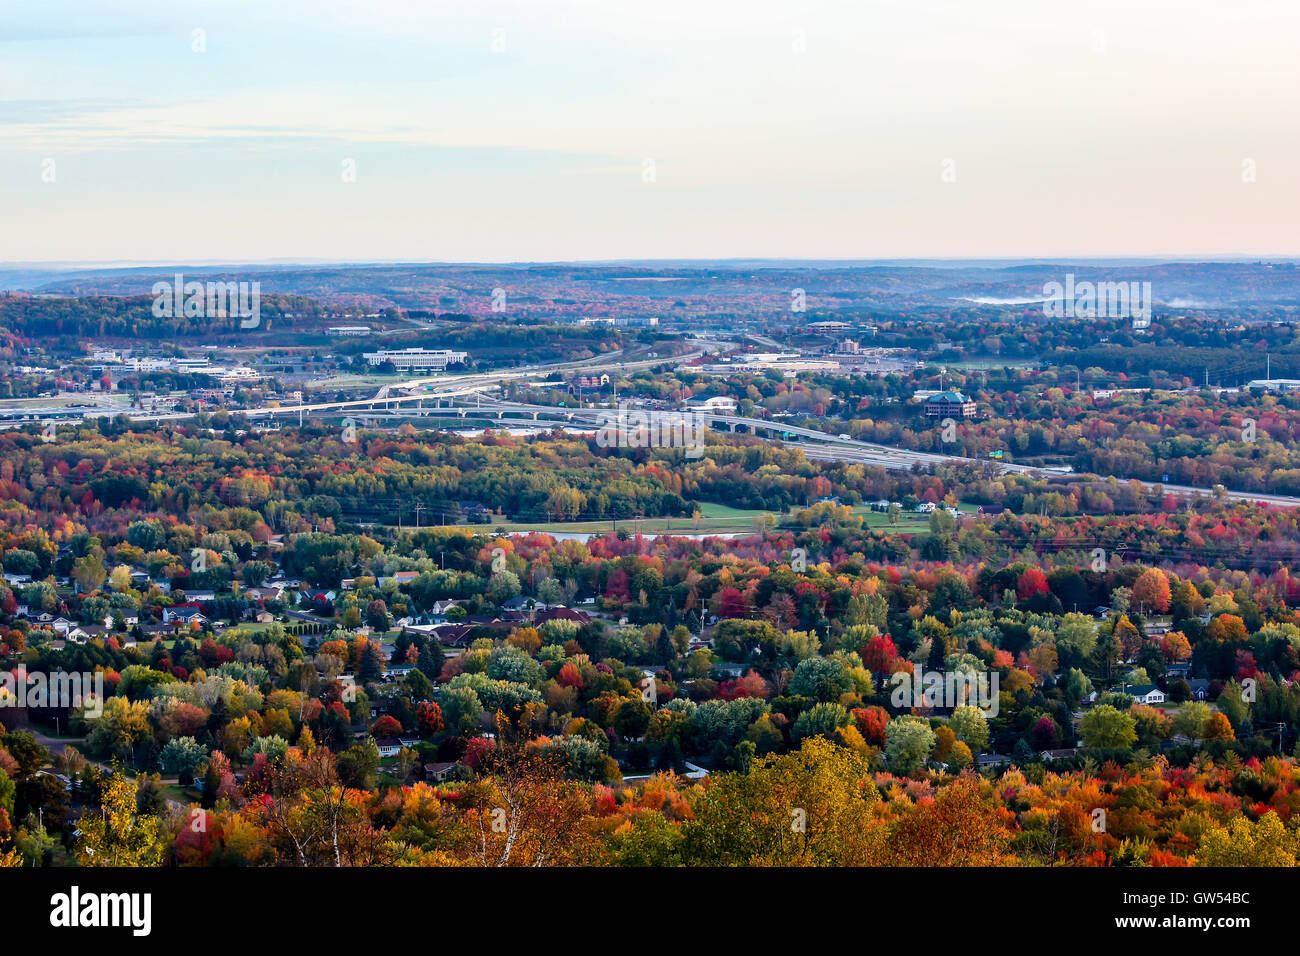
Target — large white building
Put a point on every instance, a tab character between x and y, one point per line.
418	358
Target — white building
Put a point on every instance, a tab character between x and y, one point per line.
1146	694
417	358
722	404
240	374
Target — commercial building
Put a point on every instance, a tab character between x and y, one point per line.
949	405
417	359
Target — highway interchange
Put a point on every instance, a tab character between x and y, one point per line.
412	398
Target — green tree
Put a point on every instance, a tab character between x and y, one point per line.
1106	728
820	720
908	741
971	727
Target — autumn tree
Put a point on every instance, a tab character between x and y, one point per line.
960	827
1106	728
1151	591
119	835
813	807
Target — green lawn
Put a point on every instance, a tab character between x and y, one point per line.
908	520
714	518
247	630
174	791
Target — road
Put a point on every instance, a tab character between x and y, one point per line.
815	444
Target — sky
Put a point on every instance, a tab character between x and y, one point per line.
169	131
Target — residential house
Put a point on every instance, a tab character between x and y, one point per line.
441	772
558	613
184	614
1146	694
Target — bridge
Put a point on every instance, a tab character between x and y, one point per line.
417	395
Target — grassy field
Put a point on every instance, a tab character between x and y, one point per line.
714	519
908	520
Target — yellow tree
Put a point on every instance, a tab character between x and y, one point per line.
119	835
1242	843
814	807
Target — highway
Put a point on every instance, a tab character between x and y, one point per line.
410	399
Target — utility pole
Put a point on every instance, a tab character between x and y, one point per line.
419	506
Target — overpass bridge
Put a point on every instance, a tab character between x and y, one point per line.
420	393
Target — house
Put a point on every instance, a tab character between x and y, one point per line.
990	509
523	603
563	614
584	383
1200	689
475	512
949	405
441	772
1050	755
388	747
1146	694
400	577
267	592
184	614
451	635
440	608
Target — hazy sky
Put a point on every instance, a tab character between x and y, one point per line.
592	129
